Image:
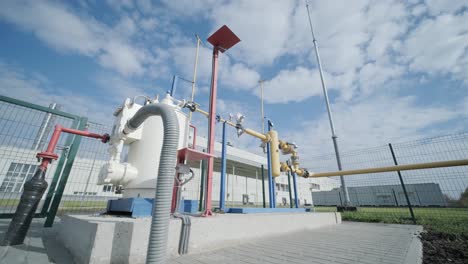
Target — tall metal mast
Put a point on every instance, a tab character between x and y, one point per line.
194	79
263	114
330	116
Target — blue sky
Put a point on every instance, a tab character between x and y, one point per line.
396	70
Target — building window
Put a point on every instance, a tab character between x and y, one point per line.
16	176
314	186
86	193
108	188
282	187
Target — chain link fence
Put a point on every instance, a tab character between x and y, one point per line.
24	131
434	195
82	195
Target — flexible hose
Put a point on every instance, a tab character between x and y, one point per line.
157	243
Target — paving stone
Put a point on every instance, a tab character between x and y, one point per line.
343	244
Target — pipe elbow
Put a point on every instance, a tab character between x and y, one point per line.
284	167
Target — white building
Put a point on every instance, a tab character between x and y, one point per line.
243	180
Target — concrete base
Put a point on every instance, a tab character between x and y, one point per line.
107	239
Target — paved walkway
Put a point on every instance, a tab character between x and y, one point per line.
341	244
345	243
40	247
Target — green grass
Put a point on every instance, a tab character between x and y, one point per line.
94	204
63	205
9	202
447	220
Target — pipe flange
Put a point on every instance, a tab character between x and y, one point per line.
47	155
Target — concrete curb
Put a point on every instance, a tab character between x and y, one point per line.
414	255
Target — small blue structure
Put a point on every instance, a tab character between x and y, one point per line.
189	206
137	207
143	207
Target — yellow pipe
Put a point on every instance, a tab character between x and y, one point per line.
203	112
274	154
262	137
417	166
284	166
286	148
302	173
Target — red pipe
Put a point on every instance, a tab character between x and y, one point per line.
85	133
49	155
211	134
194	141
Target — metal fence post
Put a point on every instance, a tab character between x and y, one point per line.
66	172
402	184
202	185
222	182
263	186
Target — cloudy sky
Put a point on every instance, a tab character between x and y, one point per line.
396	70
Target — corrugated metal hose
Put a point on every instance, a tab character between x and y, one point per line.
157	244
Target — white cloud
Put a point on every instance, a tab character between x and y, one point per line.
373	76
237	76
262	26
120	4
126	27
370	122
339	38
60	28
120	88
148	24
437	7
364	45
191	8
418	10
384	37
54	25
123	58
240	77
17	84
438	46
184	57
293	85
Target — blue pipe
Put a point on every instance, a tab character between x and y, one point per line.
222	189
174	84
296	200
270	178
271	183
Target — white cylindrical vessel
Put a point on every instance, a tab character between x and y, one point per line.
144	155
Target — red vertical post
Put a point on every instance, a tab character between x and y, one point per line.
222	40
211	131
